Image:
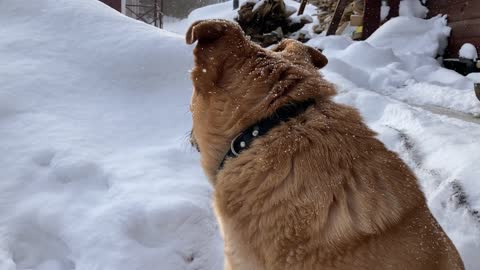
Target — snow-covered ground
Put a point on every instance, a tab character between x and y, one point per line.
97	172
96	169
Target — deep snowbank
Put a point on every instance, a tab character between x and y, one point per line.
96	171
398	61
225	11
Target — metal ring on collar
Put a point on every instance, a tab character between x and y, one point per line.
232	146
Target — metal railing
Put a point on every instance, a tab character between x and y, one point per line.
148	13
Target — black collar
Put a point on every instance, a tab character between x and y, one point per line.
283	114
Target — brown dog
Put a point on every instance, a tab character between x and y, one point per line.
317	191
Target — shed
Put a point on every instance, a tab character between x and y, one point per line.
463	18
115	4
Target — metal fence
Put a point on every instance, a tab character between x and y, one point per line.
150	11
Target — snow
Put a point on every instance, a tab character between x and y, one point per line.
413	8
224	11
304	17
384	10
426	37
475	77
398	61
258	5
96	169
468	51
97	172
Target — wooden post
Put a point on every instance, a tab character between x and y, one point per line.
371	17
161	13
394	9
302	7
235	4
156	19
337	17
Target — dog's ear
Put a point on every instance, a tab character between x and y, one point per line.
318	59
210	30
298	51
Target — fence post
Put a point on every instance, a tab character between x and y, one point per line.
371	20
337	17
161	13
302	7
235	4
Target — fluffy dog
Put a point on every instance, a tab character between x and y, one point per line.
317	190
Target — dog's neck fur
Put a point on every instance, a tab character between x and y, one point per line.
233	110
253	189
317	192
243	140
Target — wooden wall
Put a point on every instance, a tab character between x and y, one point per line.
116	4
463	18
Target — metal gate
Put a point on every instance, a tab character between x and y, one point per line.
148	11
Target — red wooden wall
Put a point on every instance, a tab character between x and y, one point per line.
116	4
463	18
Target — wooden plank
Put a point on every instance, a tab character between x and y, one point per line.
443	3
455	45
458	11
465	29
452	9
463	17
303	4
371	20
337	17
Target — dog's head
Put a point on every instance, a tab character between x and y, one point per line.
237	83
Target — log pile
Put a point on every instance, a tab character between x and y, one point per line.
269	21
327	9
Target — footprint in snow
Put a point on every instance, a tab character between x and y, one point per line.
36	249
186	226
44	157
82	173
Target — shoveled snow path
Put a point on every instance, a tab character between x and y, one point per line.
440	110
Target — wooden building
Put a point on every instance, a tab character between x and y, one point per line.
115	4
173	8
463	18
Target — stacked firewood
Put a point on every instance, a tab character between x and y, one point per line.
326	9
269	21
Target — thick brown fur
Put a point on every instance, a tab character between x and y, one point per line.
317	192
